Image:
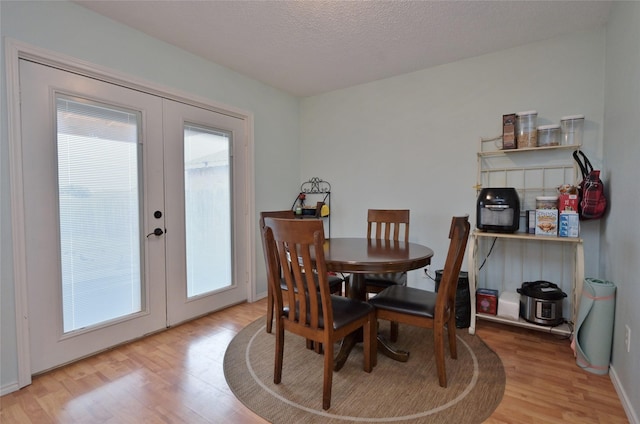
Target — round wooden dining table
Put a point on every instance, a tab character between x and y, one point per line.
360	256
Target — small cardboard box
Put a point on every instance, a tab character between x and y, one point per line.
509	305
569	224
568	202
509	131
546	222
487	301
531	221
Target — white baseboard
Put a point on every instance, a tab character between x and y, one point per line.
632	415
9	388
259	296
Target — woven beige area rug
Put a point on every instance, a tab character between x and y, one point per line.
394	392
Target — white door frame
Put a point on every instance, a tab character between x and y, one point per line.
14	51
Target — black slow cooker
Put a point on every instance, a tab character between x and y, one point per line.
541	302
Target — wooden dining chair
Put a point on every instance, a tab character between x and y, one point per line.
390	225
311	311
423	308
335	282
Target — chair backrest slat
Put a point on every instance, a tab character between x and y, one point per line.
388	224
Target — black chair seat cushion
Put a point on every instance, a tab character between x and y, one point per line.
335	281
385	280
345	311
406	300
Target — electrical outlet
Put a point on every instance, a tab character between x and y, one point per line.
627	337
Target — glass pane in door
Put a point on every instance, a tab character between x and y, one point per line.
99	206
207	179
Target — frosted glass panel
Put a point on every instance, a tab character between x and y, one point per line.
207	176
98	183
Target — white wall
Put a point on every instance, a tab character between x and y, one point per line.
620	246
411	141
72	30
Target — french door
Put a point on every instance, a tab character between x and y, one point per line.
133	209
205	185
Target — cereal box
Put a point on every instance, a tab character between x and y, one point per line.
569	224
546	222
568	202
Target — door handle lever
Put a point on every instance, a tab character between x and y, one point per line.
156	232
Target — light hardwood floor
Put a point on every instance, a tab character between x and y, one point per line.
176	376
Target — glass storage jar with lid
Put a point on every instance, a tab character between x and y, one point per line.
547	202
572	127
527	135
548	135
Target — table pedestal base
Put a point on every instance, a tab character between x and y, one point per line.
387	349
356	290
384	347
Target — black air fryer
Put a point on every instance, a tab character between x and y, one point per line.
498	210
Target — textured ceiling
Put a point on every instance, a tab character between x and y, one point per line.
312	47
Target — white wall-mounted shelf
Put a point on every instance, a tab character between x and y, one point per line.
570	147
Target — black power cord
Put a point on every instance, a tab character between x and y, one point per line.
564	337
490	250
